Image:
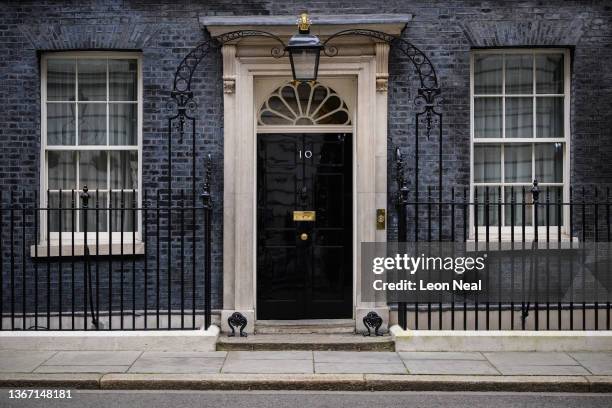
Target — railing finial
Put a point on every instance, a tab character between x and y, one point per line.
535	190
85	196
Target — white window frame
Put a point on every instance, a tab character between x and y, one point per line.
102	237
565	140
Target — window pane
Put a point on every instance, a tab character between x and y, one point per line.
303	62
124	169
490	210
519	74
60	79
96	200
549	162
92	169
60	124
488	117
61	168
517	192
487	74
92	124
66	214
122	122
549	74
124	220
549	209
92	79
487	163
123	83
517	163
549	120
519	117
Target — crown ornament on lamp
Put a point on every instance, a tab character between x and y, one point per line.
304	51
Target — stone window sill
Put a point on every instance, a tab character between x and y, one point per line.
506	242
52	249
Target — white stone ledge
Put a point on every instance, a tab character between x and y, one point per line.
322	25
145	340
101	249
500	340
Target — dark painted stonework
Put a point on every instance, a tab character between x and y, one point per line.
166	30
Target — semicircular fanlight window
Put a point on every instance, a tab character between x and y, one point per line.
304	103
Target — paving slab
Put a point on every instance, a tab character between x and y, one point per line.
156	364
532	358
187	354
270	355
359	367
598	363
541	370
268	366
364	357
93	358
440	355
461	367
81	369
535	363
22	362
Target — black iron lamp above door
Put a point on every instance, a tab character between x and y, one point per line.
304	52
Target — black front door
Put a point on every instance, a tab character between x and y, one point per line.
304	226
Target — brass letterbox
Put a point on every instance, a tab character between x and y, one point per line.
309	216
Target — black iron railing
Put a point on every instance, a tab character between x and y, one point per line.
525	217
99	260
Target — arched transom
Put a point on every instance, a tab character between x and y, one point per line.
306	103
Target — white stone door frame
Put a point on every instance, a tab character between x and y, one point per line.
365	60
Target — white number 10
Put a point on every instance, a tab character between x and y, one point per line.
307	154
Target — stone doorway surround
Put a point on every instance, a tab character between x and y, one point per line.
249	58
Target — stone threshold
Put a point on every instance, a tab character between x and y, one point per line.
308	326
329	382
317	342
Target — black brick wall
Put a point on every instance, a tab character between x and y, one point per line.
166	30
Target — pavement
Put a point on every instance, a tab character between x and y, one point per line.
312	370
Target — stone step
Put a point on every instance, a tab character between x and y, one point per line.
334	342
314	326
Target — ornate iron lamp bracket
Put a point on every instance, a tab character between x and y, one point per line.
427	100
182	105
181	94
429	92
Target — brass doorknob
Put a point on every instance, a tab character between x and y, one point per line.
304	236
